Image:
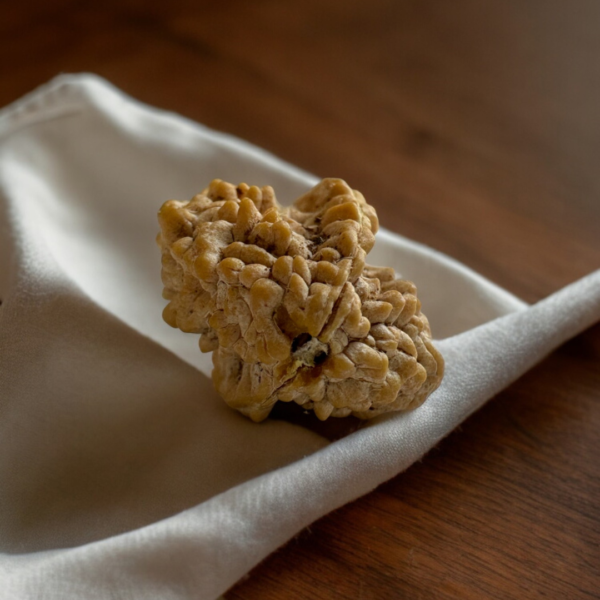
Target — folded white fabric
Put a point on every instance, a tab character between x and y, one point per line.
122	475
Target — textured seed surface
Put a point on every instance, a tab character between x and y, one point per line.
284	300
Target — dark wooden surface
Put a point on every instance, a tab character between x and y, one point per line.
473	127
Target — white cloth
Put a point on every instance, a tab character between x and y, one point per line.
122	474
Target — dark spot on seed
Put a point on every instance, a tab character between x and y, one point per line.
300	340
320	358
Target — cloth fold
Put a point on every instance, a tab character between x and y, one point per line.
121	472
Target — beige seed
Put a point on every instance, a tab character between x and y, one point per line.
287	304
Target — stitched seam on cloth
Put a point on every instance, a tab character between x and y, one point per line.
48	102
27	120
74	88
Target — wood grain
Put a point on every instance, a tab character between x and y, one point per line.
473	127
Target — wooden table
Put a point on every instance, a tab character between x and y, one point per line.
473	127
